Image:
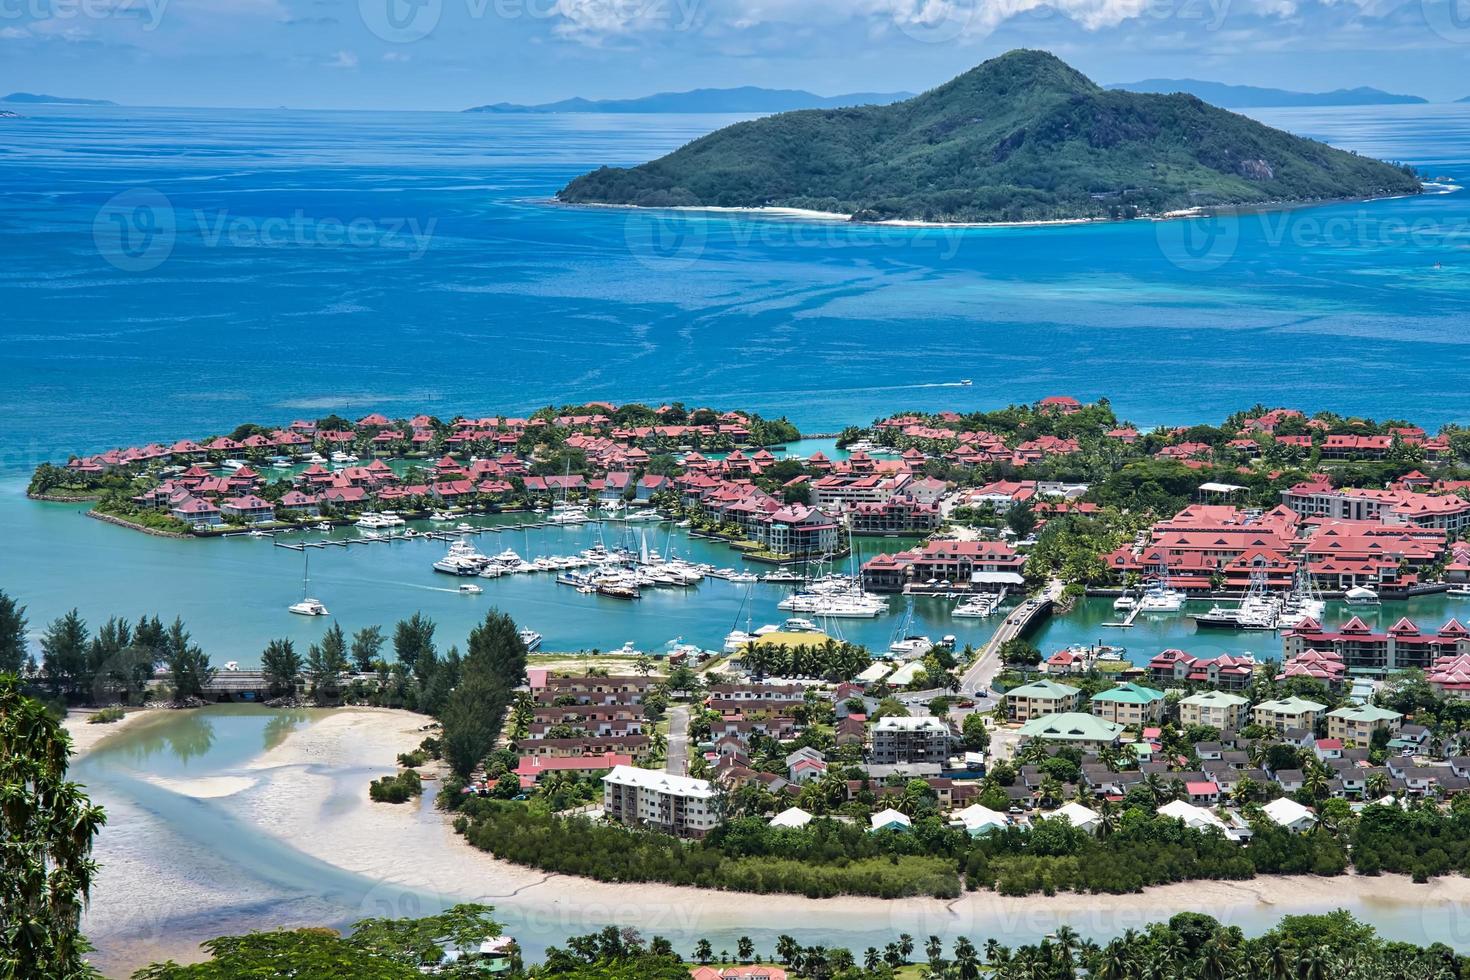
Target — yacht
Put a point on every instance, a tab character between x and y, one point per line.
564	514
324	526
232	665
1253	613
1159	597
966	382
508	557
742	577
440	517
309	607
530	638
1360	595
735	639
848	605
344	458
976	607
1124	602
461	559
911	647
798	625
470	588
374	521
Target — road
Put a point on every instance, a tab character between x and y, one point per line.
981	673
677	759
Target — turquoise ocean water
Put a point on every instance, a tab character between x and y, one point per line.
170	273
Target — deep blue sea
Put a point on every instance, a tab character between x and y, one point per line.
171	272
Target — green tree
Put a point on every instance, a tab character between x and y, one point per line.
281	665
413	642
367	648
496	646
47	861
64	650
188	665
472	719
12	635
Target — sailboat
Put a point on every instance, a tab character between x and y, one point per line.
307	606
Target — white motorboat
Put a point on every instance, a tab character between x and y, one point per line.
911	647
324	526
462	559
439	517
1360	595
976	607
470	589
1124	602
530	638
796	624
849	605
232	665
781	576
344	458
743	577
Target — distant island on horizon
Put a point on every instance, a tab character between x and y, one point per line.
1022	137
746	98
1255	97
32	98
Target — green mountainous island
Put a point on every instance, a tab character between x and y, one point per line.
1022	137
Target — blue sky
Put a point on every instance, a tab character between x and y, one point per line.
448	54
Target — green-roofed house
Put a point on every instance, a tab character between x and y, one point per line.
1219	709
1040	698
1129	704
1357	724
1074	728
1288	713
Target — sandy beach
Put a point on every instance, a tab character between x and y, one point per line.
85	736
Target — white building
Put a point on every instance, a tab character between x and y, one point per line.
1290	814
678	805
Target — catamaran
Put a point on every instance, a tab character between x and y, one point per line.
307	606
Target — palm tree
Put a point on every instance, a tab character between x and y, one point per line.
1116	962
934	950
967	964
1316	963
871	960
995	953
1277	962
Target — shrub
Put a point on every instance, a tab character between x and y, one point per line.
106	716
396	789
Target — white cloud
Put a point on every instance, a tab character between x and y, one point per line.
592	21
396	56
343	59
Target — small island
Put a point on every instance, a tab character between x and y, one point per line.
1022	137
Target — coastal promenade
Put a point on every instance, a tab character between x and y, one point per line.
981	673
